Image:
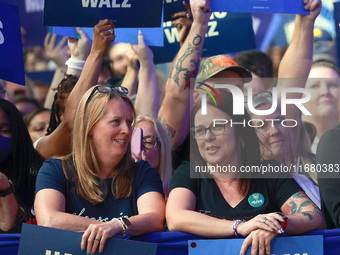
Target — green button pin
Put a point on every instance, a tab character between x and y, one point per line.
256	199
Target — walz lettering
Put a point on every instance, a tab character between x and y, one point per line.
211	32
172	36
105	3
34	5
238	100
169	1
2	38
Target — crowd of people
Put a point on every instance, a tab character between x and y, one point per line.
66	157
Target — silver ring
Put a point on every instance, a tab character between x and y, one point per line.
111	31
96	239
264	219
188	15
260	244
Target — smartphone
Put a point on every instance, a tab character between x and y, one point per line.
137	142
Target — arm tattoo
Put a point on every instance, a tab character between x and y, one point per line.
194	63
293	208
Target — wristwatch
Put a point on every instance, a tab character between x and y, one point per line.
7	191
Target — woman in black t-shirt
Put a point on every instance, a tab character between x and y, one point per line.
232	202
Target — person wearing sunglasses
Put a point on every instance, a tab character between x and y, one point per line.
99	189
228	203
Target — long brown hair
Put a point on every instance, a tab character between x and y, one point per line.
83	158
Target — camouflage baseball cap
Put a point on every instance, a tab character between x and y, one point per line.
213	65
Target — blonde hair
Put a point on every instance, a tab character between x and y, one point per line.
165	162
88	183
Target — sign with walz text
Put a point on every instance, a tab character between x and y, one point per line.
39	240
11	56
297	245
227	32
87	13
267	6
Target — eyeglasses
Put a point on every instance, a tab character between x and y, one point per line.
150	142
200	132
107	90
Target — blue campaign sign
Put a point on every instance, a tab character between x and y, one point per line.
31	14
311	245
153	36
227	32
87	13
11	56
41	240
268	6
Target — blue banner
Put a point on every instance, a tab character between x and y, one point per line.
249	6
268	6
221	38
11	56
153	36
311	245
87	13
41	240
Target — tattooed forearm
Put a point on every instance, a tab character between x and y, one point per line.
299	204
179	65
189	71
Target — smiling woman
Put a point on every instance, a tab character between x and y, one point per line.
226	201
323	83
99	189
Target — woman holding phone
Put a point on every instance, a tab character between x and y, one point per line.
154	147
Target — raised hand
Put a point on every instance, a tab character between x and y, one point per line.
143	52
183	21
79	48
200	10
56	52
132	57
314	6
103	36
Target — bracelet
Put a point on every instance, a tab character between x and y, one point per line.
75	63
236	223
123	225
9	190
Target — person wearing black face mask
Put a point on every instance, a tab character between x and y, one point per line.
19	164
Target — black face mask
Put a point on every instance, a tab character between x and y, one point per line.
5	146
